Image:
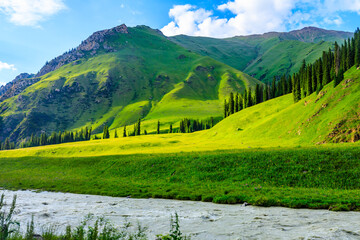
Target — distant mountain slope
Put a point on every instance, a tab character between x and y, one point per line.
117	76
267	55
331	116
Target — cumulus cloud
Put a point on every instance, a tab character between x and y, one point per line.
30	12
7	66
257	16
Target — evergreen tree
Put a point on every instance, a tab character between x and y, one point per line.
170	128
249	98
265	95
313	78
231	104
106	133
245	101
337	58
309	80
357	47
273	88
326	69
158	127
116	134
225	109
257	97
7	145
237	102
124	133
138	129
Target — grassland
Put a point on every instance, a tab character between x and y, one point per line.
281	158
262	57
312	177
146	76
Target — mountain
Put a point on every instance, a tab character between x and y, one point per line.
117	76
264	56
331	116
17	85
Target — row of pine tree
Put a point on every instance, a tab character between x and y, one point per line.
83	134
310	78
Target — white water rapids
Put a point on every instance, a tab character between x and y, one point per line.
200	220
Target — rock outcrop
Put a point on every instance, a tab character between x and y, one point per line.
17	85
91	45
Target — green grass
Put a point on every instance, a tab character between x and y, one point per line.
313	177
262	57
148	77
292	160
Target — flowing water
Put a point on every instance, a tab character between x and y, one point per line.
200	220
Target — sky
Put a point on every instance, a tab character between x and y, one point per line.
35	31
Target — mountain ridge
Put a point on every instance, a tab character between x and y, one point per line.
267	55
91	44
140	74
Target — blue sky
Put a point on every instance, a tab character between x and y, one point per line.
34	31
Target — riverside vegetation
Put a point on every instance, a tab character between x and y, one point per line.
101	229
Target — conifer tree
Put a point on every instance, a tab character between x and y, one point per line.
7	145
124	133
249	98
106	133
116	134
231	104
265	94
138	128
237	102
158	127
337	58
357	47
170	128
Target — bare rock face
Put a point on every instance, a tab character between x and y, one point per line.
92	44
16	86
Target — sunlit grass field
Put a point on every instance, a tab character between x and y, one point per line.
273	154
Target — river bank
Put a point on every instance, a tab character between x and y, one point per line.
200	220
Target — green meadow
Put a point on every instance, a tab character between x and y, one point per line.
312	177
272	154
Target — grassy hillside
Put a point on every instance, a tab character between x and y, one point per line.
143	75
331	116
267	55
271	154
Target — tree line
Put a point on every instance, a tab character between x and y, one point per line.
329	67
192	125
310	78
261	93
83	134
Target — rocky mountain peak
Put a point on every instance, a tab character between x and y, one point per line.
17	85
92	44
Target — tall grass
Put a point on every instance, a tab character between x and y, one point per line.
101	229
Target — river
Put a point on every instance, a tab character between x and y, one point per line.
200	220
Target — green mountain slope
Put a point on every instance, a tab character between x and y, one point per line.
267	55
331	116
116	77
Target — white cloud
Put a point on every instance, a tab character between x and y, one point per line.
7	66
257	16
30	12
